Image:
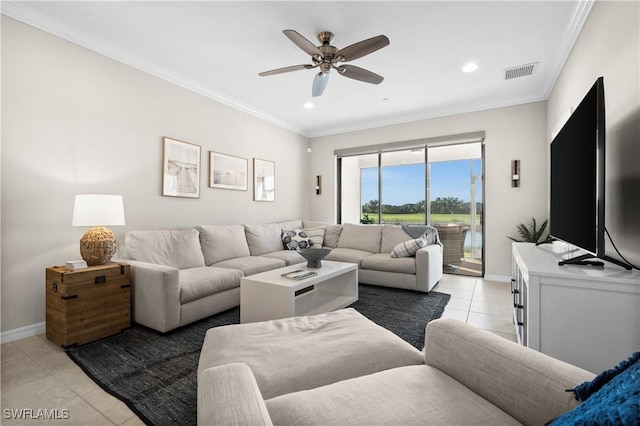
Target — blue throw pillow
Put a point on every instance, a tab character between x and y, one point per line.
612	398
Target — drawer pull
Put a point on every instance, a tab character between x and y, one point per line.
100	279
75	296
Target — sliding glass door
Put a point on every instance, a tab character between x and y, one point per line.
436	185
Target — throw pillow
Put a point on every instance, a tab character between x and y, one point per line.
408	248
296	239
431	235
613	398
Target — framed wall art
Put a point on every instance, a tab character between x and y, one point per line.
180	169
227	171
264	180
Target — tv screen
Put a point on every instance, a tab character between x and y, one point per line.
577	176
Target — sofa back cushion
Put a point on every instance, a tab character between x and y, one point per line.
289	225
177	248
332	235
361	237
263	239
392	235
222	242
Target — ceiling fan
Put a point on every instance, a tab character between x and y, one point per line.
327	57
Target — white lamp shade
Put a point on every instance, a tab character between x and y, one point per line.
98	209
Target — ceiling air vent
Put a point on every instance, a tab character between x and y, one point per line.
520	71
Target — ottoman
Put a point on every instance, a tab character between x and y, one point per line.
300	353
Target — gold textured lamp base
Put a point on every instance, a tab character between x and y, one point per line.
97	246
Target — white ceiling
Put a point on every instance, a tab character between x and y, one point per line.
218	48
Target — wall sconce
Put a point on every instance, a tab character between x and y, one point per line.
318	184
515	173
98	244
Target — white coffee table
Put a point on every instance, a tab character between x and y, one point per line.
269	295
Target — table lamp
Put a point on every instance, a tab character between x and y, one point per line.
98	244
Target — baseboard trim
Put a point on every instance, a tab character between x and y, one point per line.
22	332
501	278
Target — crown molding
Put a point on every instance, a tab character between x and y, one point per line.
20	12
579	17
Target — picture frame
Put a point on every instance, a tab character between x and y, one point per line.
228	171
264	180
180	169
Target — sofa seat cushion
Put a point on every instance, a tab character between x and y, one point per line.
293	354
413	395
252	265
196	283
290	256
348	255
176	248
222	242
384	262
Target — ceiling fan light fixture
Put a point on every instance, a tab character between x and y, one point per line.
470	67
327	56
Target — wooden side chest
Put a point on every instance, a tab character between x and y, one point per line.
87	304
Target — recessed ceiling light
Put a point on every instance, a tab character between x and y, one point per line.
308	105
470	67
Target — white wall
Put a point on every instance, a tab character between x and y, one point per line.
77	122
512	133
609	46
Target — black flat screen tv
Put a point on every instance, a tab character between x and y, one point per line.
578	178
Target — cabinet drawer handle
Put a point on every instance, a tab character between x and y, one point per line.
516	291
100	279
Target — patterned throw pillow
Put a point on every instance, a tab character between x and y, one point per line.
296	239
408	248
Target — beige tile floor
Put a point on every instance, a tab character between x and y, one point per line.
479	302
36	374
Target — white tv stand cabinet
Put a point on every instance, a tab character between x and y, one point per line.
586	316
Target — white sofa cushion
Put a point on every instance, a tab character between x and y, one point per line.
222	242
384	262
290	256
392	235
263	239
196	283
361	237
332	235
348	255
251	265
412	395
176	248
288	225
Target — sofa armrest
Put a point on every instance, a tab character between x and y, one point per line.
229	395
428	267
155	295
527	384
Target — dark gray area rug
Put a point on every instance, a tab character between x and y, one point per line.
155	374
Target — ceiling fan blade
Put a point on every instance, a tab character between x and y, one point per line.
362	48
303	43
360	74
319	83
286	69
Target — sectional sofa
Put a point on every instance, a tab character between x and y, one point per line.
181	276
